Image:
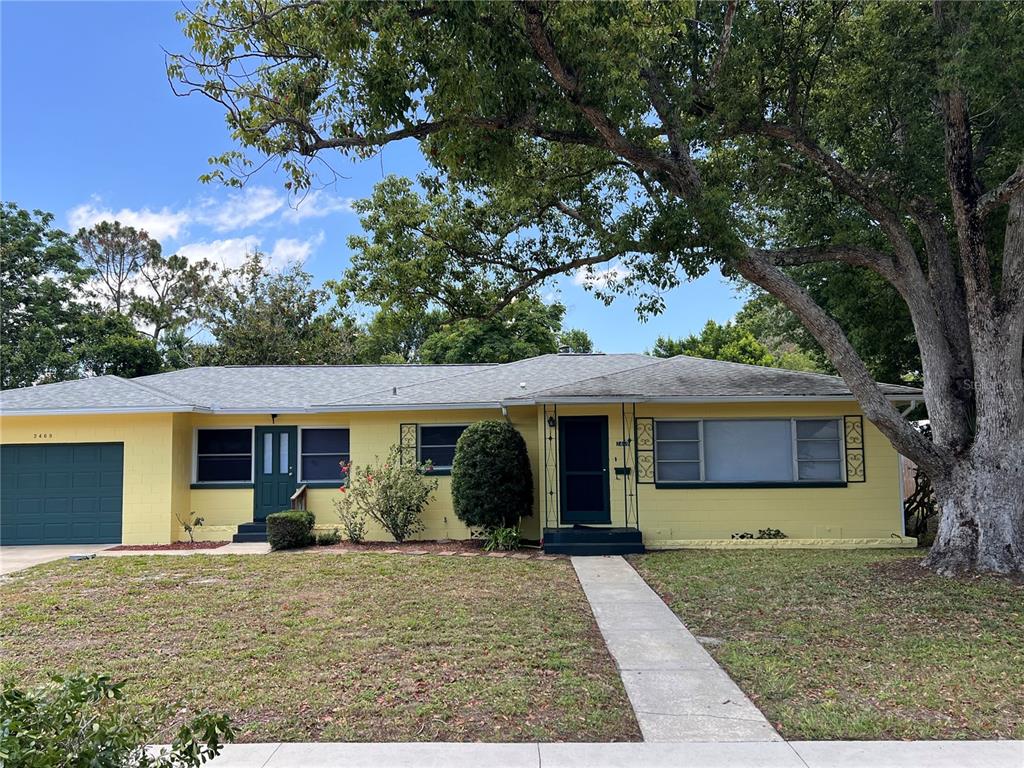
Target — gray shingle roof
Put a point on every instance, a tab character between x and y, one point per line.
694	377
283	389
85	394
498	383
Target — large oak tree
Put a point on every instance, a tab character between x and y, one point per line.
664	137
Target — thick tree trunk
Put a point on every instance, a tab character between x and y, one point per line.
982	504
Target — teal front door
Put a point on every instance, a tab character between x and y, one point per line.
583	461
276	453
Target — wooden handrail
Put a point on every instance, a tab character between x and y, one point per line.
299	498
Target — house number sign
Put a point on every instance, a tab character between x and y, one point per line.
42	435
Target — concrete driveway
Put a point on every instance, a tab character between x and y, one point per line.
18	558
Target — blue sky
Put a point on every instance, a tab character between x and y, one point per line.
91	130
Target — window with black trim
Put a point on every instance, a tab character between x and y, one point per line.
224	455
323	452
437	444
739	451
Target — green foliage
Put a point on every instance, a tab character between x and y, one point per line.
110	346
525	328
189	523
352	516
392	493
39	278
504	539
575	340
290	529
328	538
717	342
492	484
259	317
84	722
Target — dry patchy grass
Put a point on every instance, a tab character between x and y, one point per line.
330	647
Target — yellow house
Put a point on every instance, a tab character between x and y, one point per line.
626	451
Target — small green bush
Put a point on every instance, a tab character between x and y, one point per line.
84	721
501	540
329	538
492	485
392	493
351	514
291	529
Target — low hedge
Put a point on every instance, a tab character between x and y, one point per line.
289	530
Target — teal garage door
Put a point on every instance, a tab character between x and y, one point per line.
68	493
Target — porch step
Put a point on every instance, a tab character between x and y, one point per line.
591	540
255	531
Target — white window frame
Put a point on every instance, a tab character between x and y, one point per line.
795	481
195	456
419	443
301	480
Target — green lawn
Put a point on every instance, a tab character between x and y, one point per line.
328	647
856	644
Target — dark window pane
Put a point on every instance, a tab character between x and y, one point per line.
677	430
583	447
817	428
224	441
584	493
439	456
820	470
223	469
679	451
325	441
681	471
430	435
322	467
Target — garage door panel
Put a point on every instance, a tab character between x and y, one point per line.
57	455
85	480
66	493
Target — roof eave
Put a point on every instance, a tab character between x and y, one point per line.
99	411
585	400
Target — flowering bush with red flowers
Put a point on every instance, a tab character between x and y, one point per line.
392	494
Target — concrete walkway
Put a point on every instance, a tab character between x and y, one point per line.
779	754
19	558
678	692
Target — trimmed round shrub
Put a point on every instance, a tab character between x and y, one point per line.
492	486
289	530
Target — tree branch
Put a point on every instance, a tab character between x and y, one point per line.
679	174
856	255
827	332
1001	195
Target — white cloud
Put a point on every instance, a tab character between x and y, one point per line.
227	253
241	209
231	252
288	250
161	225
315	205
600	278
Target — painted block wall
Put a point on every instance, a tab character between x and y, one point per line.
371	436
149	464
872	509
158	451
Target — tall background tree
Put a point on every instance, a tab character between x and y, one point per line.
669	136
